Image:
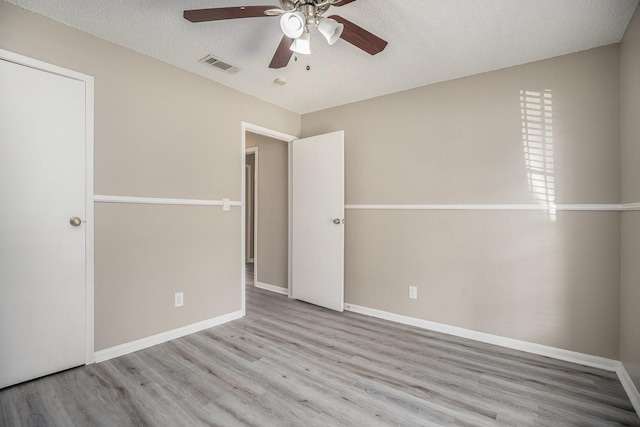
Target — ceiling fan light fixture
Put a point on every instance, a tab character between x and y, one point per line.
302	44
330	29
296	16
293	23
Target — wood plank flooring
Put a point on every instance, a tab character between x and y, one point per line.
288	363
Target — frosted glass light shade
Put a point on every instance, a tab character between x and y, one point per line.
302	45
330	29
292	24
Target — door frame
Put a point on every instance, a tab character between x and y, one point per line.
289	139
89	219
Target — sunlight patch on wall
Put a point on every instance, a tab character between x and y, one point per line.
537	142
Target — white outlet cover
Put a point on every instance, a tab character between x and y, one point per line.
413	292
179	299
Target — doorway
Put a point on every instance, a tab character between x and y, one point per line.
266	213
251	133
251	192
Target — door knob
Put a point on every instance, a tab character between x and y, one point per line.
75	221
337	221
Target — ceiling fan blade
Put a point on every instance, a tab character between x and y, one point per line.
343	2
283	53
359	37
221	13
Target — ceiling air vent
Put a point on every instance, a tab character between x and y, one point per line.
219	64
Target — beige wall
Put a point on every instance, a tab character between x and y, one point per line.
512	274
462	141
157	134
273	210
534	276
630	142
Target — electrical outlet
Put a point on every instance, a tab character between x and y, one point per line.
179	299
413	292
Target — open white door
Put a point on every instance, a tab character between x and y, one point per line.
43	132
318	220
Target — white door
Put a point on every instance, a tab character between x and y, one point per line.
42	256
318	220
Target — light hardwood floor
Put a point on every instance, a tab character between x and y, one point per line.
288	363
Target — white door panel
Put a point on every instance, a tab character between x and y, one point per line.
318	200
42	256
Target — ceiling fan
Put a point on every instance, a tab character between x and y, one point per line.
296	18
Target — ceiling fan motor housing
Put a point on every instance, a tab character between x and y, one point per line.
311	8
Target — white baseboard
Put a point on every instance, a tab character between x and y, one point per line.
629	387
539	349
272	288
130	347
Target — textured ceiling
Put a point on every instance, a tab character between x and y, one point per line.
429	41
